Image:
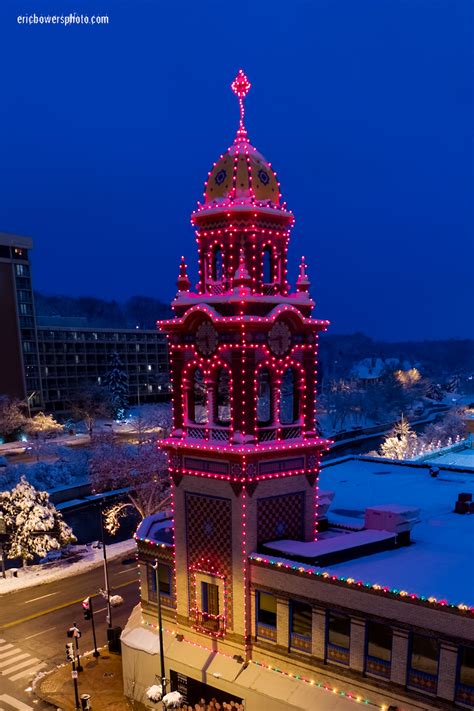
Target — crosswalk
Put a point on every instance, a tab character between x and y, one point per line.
15	664
10	701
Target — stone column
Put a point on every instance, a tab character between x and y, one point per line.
357	648
447	671
398	674
318	633
283	623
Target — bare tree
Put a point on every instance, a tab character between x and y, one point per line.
149	421
142	469
89	403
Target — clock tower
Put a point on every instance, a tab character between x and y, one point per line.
244	452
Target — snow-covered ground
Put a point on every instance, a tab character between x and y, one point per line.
84	558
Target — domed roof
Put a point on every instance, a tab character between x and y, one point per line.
241	176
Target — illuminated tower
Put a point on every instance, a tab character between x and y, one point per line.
244	452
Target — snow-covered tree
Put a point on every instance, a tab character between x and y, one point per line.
400	442
434	392
41	428
12	418
450	429
34	526
116	382
140	468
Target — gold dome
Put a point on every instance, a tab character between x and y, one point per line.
242	176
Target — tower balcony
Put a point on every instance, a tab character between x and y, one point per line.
211	433
215	433
279	432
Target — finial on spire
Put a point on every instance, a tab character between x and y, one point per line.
303	283
241	86
183	282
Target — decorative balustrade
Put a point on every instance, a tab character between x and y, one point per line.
465	695
206	432
336	653
300	642
378	667
282	432
266	632
423	681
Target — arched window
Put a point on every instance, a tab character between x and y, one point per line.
264	397
267	265
223	397
199	412
289	398
217	264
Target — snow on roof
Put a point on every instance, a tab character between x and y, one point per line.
440	558
140	638
463	458
315	549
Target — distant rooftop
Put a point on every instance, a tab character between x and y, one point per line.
7	239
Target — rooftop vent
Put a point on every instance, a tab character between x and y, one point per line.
393	518
464	504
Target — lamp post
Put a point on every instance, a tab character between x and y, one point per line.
106	570
160	629
3	538
28	402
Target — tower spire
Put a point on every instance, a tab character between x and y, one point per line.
183	282
241	86
303	283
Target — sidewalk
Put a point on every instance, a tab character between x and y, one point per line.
83	559
101	678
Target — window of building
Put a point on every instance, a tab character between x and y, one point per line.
338	638
217	264
266	609
465	680
423	671
300	625
164	580
267	265
210	606
289	401
223	397
264	399
22	270
199	410
379	649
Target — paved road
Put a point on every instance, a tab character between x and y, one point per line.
33	626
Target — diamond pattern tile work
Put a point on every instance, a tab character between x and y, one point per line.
209	534
280	517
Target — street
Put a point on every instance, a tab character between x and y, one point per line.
33	625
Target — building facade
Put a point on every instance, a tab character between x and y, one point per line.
19	366
44	364
71	357
243	619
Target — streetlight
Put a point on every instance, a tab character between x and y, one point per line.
28	402
3	539
106	570
160	630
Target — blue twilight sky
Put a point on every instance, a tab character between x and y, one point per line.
364	107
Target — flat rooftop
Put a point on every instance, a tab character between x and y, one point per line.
463	458
440	560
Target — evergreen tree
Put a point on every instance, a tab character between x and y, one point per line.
33	524
116	382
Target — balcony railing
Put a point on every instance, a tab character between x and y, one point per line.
208	432
282	432
206	622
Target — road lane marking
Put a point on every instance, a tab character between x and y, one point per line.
130	570
21	665
6	646
38	633
58	607
102	609
15	703
33	599
9	654
28	672
13	659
